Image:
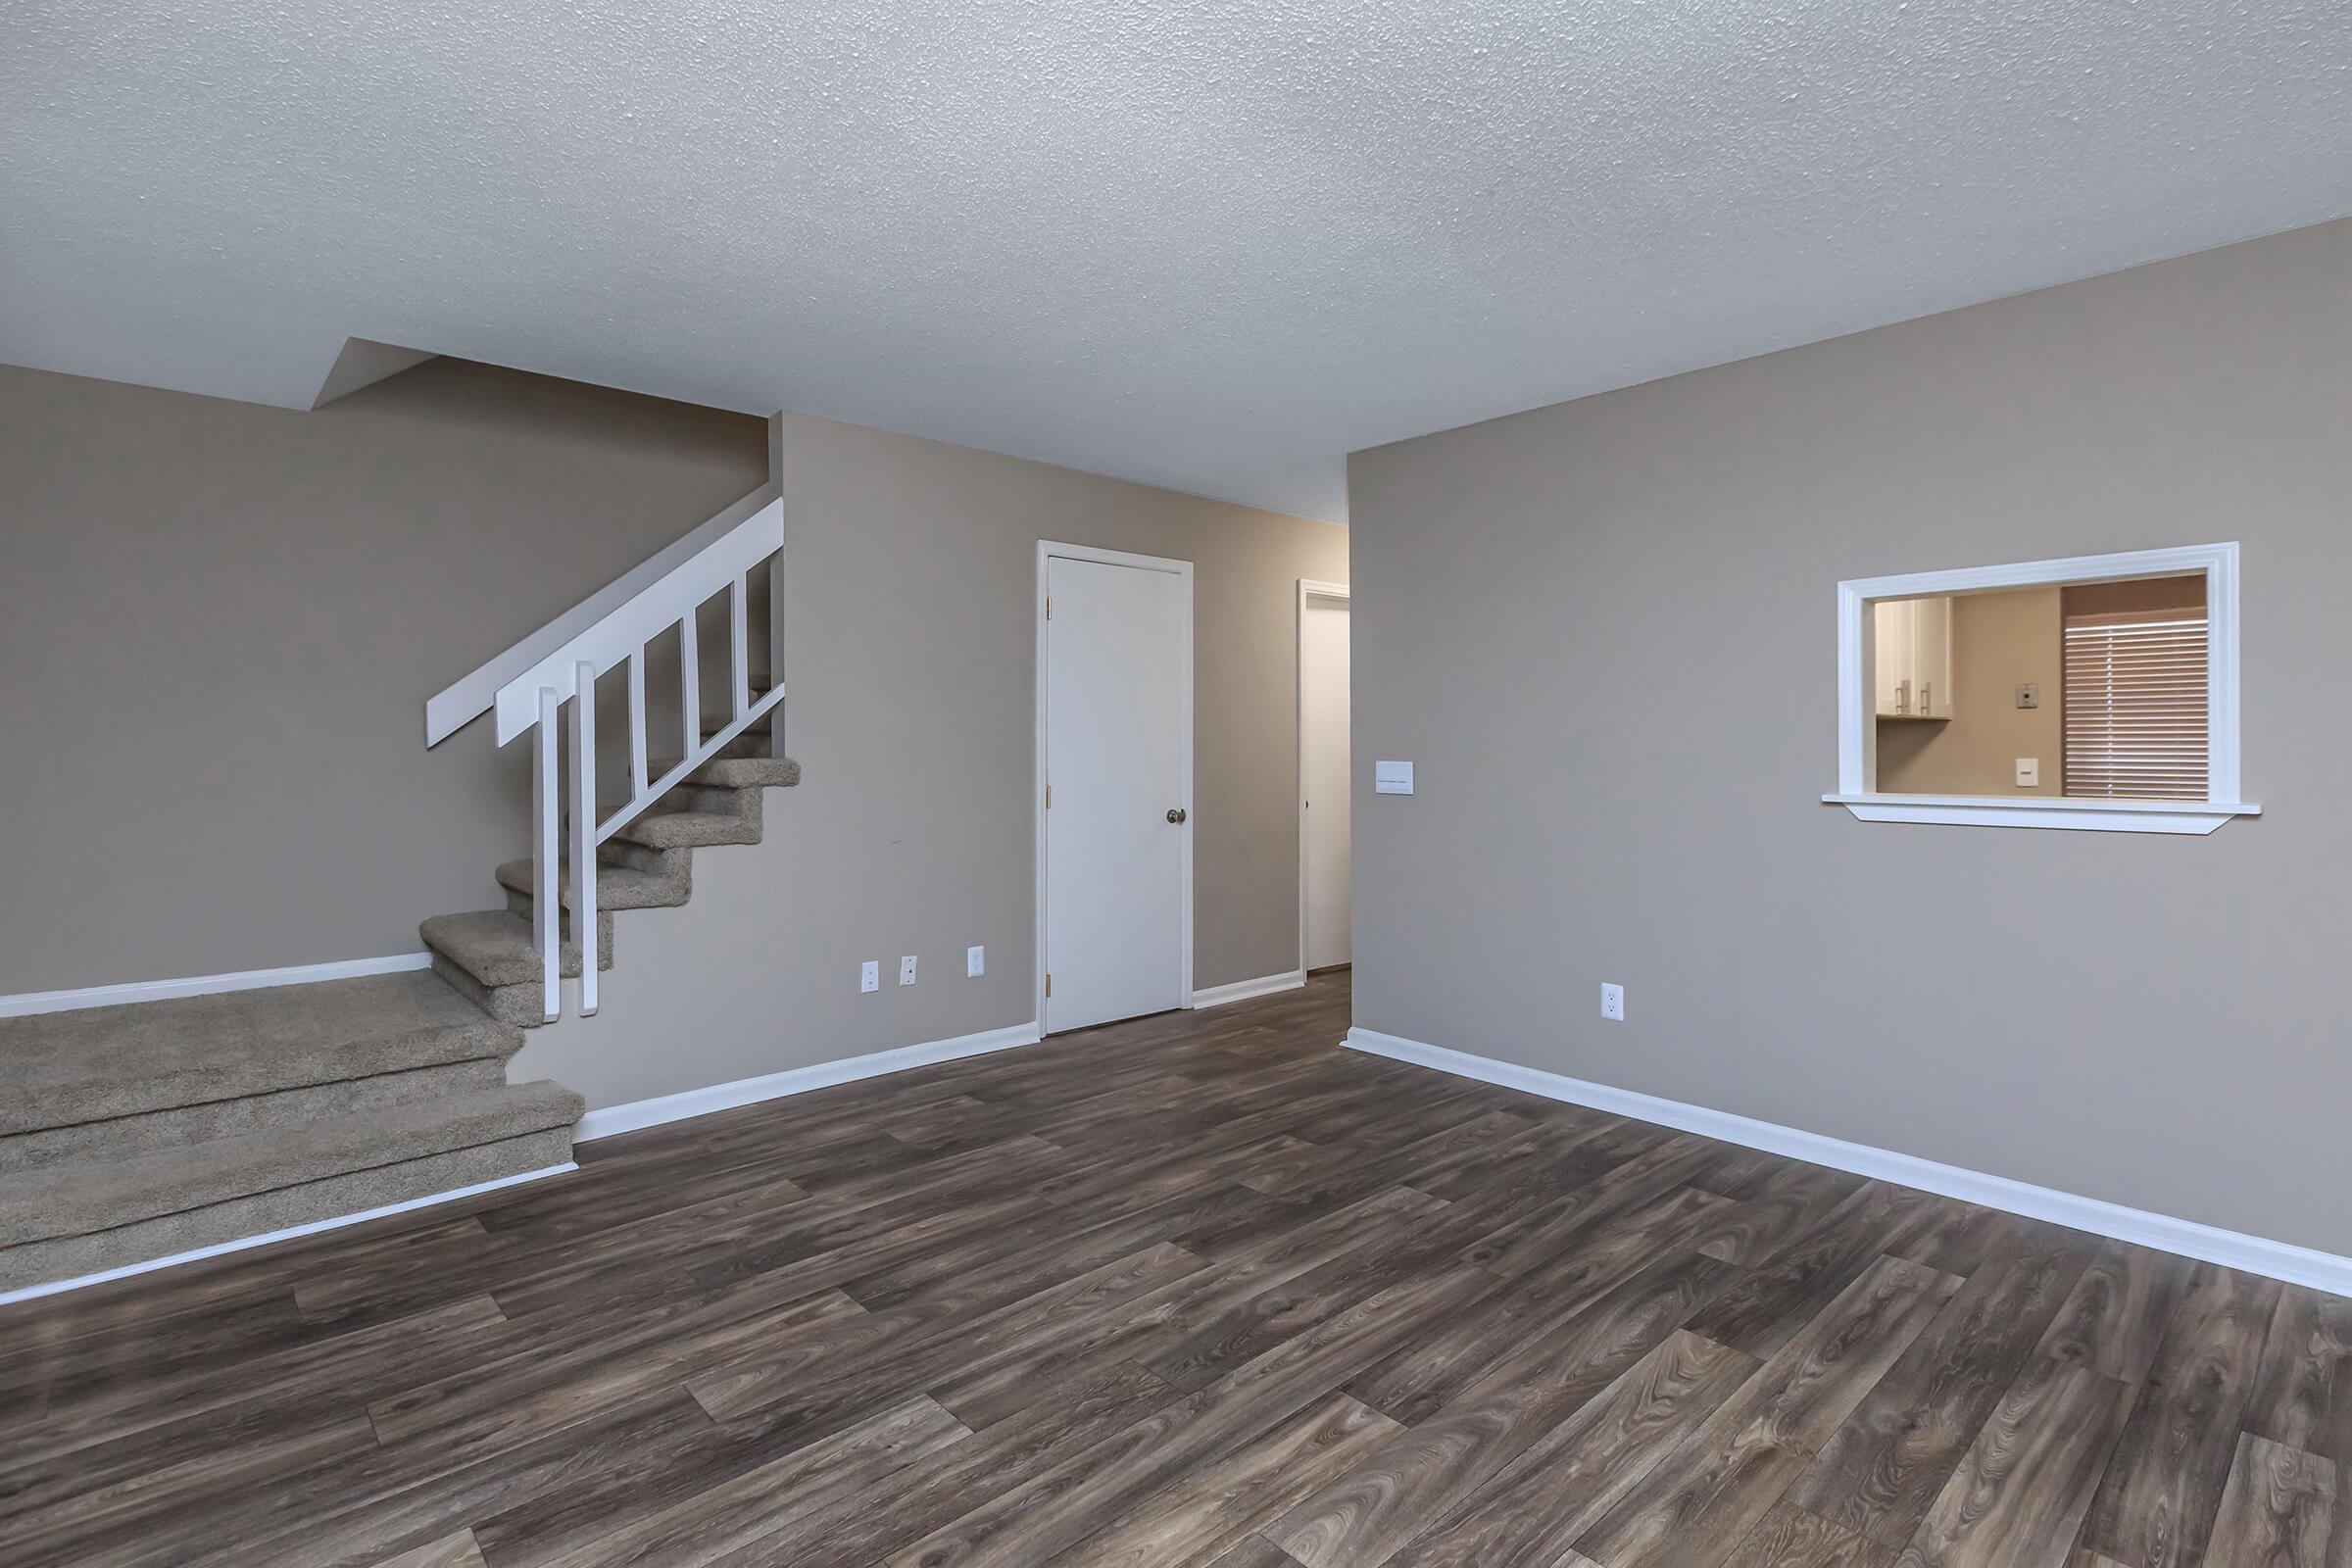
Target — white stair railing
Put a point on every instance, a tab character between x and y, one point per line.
530	684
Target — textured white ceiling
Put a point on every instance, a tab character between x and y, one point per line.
1211	244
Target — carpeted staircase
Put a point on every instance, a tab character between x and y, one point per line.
488	955
132	1133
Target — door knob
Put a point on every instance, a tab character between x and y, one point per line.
1175	813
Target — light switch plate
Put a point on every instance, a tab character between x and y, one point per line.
2029	695
906	970
1391	778
2029	773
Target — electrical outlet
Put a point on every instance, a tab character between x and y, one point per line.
869	975
975	962
906	970
1612	1002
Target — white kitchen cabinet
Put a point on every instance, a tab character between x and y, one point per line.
1914	656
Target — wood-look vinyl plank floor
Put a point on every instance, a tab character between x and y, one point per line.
1197	1291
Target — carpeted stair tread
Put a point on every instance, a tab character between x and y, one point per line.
78	1196
496	947
282	1208
618	887
673	830
279	1109
518	1006
739	772
66	1068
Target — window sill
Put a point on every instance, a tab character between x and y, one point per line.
2046	811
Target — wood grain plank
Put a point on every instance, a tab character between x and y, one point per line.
985	1389
1789	1204
140	1484
656	1476
2303	1394
1881	1472
1789	1538
450	1552
294	1368
1535	1509
2020	1493
1775	1304
2115	1318
1268	1317
1541	1236
1424	1377
1481	1137
2339	1538
759	1502
2278	1508
1959	1238
398	1498
1567	1147
1052	1512
1193	1522
1362	1519
865	1527
532	1395
2157	1506
1698	1505
916	1344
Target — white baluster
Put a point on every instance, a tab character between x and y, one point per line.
690	688
636	726
583	829
547	872
739	646
775	650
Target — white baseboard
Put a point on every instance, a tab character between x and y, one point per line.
629	1117
26	1004
242	1243
2279	1261
1243	990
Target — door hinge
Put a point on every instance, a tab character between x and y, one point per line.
1048	606
1048	984
1049	797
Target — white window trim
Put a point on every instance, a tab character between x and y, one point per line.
1857	761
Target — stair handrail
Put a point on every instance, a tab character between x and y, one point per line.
678	566
529	685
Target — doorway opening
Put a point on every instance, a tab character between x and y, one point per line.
1326	871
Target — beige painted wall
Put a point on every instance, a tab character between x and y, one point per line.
911	655
2157	1021
218	625
1999	640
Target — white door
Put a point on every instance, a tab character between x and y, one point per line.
1118	715
1323	777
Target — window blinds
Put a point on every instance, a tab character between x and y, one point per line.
2135	705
